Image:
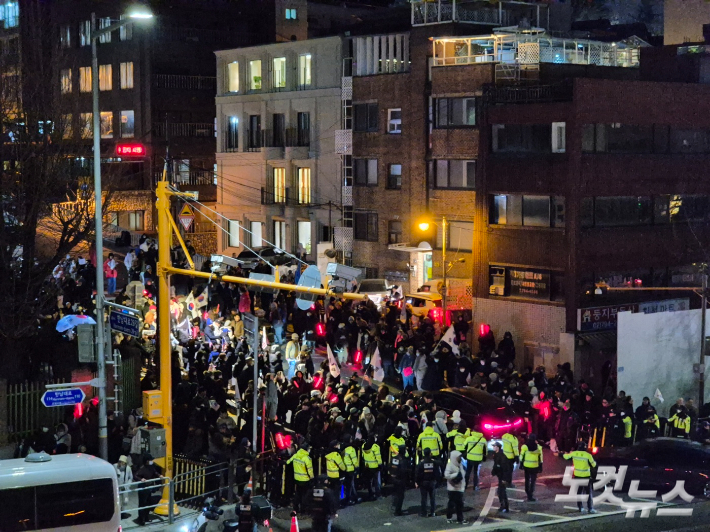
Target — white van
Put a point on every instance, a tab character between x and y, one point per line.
62	493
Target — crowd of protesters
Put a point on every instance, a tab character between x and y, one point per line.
394	358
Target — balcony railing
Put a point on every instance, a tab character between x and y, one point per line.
185	129
269	138
271	197
507	94
506	13
173	81
195	177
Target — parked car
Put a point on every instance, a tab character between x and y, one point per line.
661	462
377	290
476	406
271	254
426	304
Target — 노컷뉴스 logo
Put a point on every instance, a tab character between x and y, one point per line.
606	474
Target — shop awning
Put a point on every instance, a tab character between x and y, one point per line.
599	339
423	247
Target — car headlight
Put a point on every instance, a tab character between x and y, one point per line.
192	528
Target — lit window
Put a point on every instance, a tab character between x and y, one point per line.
394	121
65	36
304	185
136	220
394	178
291	14
233	234
127	124
106	125
279	188
280	234
304	235
304	71
11	14
279	72
255	75
65	75
233	76
66	127
105	23
85	79
105	77
86	125
126	32
85	33
256	240
127	75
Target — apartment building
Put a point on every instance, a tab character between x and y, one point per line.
278	109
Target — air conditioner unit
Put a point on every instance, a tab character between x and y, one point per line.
496	290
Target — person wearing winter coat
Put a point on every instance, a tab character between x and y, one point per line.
455	476
406	368
420	368
503	469
124	473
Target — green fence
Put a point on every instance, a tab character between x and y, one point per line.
25	411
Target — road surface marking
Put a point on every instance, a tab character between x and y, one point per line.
517	489
577	517
546	515
549	477
486	507
516	500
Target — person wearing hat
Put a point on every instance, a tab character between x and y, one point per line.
335	466
125	476
583	462
428	474
293	348
302	474
456	437
325	504
476	451
680	423
372	462
399	472
531	458
503	469
149	474
352	466
246	510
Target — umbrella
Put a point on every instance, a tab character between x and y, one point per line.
72	320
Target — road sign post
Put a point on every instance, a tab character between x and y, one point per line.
63	397
251	331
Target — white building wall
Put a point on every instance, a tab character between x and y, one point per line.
529	323
657	351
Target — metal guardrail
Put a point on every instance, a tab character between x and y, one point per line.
112	231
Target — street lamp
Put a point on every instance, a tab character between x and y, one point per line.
96	34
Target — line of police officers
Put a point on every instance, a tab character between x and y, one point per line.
344	465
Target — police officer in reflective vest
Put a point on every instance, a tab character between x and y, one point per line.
335	467
428	474
531	460
399	472
246	510
302	474
429	439
372	459
628	428
457	437
680	423
510	447
583	462
475	451
351	462
324	505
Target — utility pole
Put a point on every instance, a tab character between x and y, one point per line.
701	366
444	296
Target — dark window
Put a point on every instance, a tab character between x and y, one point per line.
279	123
536	211
394	177
587	212
57	505
365	116
454	173
365	171
304	129
529	211
622	210
623	138
689	208
254	136
365	226
394	232
522	138
689	140
454	112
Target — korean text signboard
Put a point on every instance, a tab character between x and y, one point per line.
531	284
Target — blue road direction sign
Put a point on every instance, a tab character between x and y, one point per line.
125	323
63	397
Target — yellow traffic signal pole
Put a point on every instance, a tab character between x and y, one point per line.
166	227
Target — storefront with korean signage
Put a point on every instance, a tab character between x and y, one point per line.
526	283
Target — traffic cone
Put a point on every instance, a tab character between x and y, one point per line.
250	485
294	523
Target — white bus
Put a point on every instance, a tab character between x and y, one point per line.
62	493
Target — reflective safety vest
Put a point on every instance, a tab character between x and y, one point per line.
476	447
334	464
457	440
680	423
654	421
302	466
430	440
582	462
510	446
395	444
350	458
531	459
372	457
628	426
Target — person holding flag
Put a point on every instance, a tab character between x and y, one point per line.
333	364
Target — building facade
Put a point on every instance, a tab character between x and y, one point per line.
278	108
